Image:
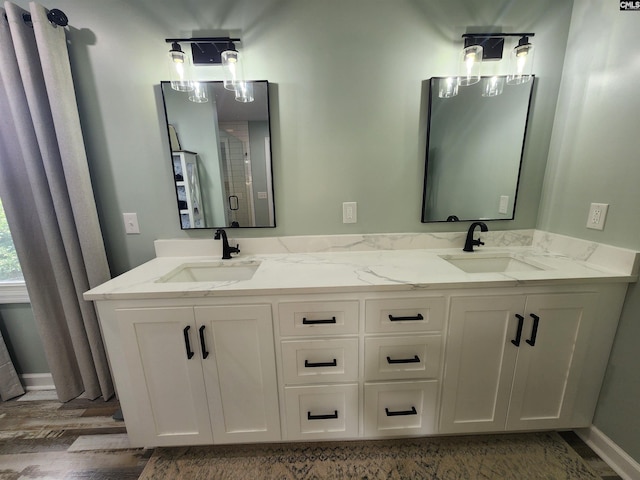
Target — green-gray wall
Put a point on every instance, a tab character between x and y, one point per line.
19	331
347	105
594	158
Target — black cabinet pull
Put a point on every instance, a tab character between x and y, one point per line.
516	342
404	319
190	353
318	322
322	417
415	359
413	411
308	364
205	354
534	330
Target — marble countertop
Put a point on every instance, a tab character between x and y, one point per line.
352	271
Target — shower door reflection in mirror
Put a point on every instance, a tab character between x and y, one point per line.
221	157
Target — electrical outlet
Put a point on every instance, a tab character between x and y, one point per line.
131	223
349	212
597	215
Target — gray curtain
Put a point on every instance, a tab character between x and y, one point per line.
48	200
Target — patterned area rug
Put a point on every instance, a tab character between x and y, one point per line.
491	457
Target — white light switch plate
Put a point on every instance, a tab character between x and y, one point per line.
131	223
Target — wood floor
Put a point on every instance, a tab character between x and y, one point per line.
41	438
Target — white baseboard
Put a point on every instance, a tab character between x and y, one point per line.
610	452
37	381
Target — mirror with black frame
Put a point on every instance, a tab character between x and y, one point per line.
220	156
474	152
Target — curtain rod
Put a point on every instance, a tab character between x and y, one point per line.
54	15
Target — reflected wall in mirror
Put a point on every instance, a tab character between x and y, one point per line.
474	152
221	157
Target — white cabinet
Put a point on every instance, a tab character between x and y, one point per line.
201	375
166	381
514	362
402	352
320	365
187	179
361	364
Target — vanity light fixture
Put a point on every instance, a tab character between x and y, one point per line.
179	69
208	51
479	47
231	64
521	62
471	61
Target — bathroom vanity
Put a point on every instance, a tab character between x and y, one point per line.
361	344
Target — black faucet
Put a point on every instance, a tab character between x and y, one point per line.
468	245
226	249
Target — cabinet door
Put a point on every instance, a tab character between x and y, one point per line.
550	360
240	372
171	406
479	364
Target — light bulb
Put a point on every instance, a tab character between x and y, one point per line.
231	64
521	63
179	69
470	66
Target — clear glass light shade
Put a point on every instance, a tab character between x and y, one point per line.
493	86
521	67
448	87
233	68
199	93
179	69
470	63
244	92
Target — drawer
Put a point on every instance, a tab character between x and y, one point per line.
318	318
407	408
397	358
320	361
390	315
322	412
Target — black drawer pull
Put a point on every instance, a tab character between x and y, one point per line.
318	322
308	364
205	354
187	344
516	341
534	330
415	359
322	417
404	319
413	411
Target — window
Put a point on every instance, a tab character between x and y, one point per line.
12	288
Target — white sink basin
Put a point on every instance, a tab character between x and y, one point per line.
491	263
211	272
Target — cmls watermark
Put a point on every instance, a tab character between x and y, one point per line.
632	6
